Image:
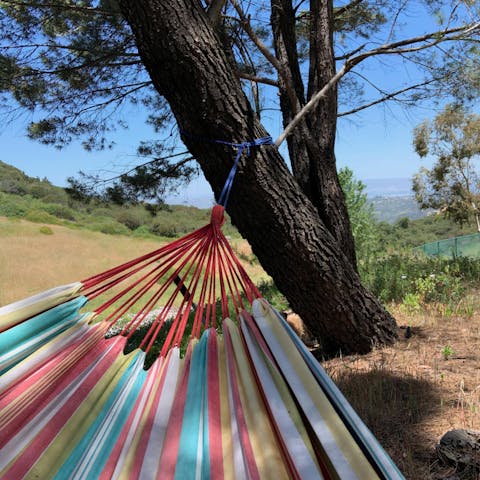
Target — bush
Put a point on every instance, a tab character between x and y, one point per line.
46	230
109	226
142	232
45	191
270	291
40	216
396	278
100	211
133	217
11	207
9	185
60	211
163	228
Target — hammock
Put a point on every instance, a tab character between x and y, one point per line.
231	394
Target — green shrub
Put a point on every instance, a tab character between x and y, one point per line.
421	280
99	211
9	185
133	217
60	211
163	229
142	232
40	216
45	230
109	226
45	191
11	206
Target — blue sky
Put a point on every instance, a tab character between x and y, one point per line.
375	145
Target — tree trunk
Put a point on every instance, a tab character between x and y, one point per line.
188	66
311	145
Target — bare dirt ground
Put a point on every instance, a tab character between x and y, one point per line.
412	393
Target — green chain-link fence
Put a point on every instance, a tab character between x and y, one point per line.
465	246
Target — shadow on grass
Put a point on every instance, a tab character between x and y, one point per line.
393	407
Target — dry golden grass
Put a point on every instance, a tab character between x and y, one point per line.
32	262
412	393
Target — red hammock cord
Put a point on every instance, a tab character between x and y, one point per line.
174	283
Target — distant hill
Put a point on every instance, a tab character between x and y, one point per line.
28	196
391	209
13	181
37	200
388	187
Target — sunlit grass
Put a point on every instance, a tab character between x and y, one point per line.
31	261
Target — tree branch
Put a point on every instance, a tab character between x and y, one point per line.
76	8
386	97
151	162
257	79
351	54
440	36
310	105
341	10
245	23
214	10
269	56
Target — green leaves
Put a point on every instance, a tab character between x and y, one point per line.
452	185
360	212
421	138
74	65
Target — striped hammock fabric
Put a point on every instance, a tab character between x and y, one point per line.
244	400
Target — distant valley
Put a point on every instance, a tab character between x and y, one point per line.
392	209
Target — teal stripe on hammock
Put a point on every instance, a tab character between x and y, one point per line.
206	426
91	454
20	341
193	445
382	460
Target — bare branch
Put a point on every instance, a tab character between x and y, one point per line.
56	46
281	71
395	19
441	36
352	53
437	37
310	105
389	96
245	22
256	79
151	162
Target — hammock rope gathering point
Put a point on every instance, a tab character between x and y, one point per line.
245	400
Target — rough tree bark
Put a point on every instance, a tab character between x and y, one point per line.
185	59
311	145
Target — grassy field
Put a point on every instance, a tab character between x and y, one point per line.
32	261
408	394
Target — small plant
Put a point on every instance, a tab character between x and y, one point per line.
45	230
447	352
411	303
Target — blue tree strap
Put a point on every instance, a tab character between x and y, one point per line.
240	148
